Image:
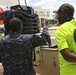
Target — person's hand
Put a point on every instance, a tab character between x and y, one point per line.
47	36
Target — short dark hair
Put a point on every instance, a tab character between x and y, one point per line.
15	25
67	8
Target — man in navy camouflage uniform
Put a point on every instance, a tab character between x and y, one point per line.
16	49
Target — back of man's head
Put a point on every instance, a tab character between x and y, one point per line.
15	25
67	8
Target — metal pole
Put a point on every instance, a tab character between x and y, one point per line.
25	2
22	1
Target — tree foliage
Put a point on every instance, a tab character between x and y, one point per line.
52	21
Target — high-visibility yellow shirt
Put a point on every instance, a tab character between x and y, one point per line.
65	39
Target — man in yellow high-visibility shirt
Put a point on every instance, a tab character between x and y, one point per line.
66	39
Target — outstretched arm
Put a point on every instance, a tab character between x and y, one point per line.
38	40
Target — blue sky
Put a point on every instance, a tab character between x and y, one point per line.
51	4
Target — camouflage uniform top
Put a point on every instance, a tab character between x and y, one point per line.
16	53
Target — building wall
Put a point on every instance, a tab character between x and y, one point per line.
43	13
